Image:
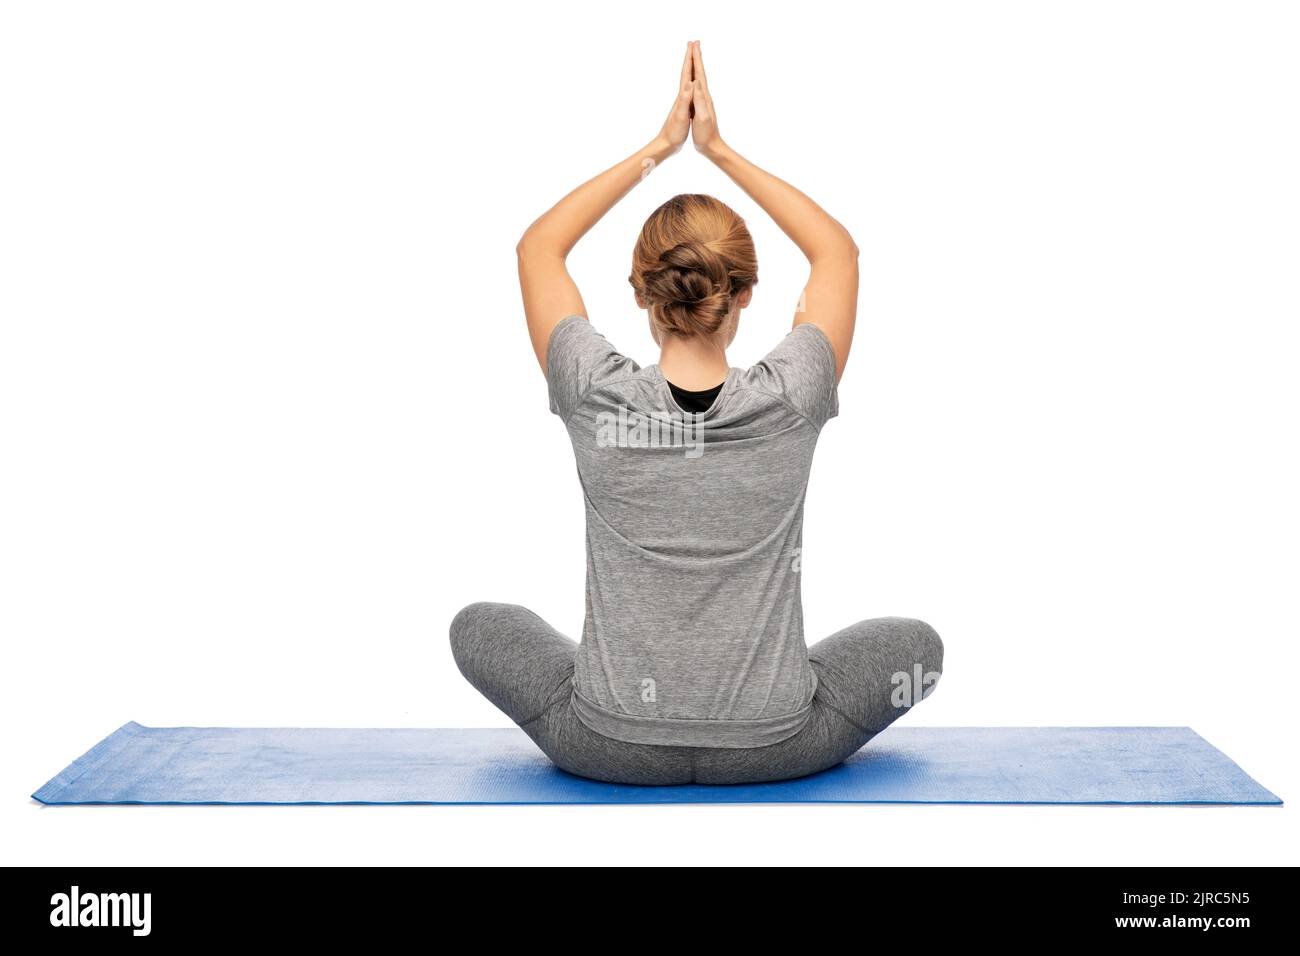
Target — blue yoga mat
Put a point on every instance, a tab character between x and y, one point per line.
225	765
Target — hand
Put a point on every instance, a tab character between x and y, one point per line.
704	121
678	123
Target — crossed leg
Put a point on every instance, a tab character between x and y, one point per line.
869	674
525	667
867	677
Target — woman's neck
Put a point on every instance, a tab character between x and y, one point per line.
694	363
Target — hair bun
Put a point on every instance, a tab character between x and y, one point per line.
691	289
694	255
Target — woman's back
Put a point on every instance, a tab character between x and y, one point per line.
694	632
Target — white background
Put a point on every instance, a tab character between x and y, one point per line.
270	417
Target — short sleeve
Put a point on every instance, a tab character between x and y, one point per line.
801	370
578	359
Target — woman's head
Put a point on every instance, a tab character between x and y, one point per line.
693	267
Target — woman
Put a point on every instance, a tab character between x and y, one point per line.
693	665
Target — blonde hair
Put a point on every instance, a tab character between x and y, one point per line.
693	257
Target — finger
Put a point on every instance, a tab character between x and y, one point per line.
687	65
682	108
682	105
701	100
697	63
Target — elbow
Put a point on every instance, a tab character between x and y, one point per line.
840	254
528	244
533	246
851	247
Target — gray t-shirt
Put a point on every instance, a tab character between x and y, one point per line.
694	628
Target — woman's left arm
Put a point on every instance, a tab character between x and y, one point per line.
550	293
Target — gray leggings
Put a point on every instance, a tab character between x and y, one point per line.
525	667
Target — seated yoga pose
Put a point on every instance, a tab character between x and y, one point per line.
692	665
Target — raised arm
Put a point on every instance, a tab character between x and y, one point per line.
830	299
549	292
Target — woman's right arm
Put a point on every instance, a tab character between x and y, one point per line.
830	300
549	293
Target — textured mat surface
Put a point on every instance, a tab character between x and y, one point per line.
1066	765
